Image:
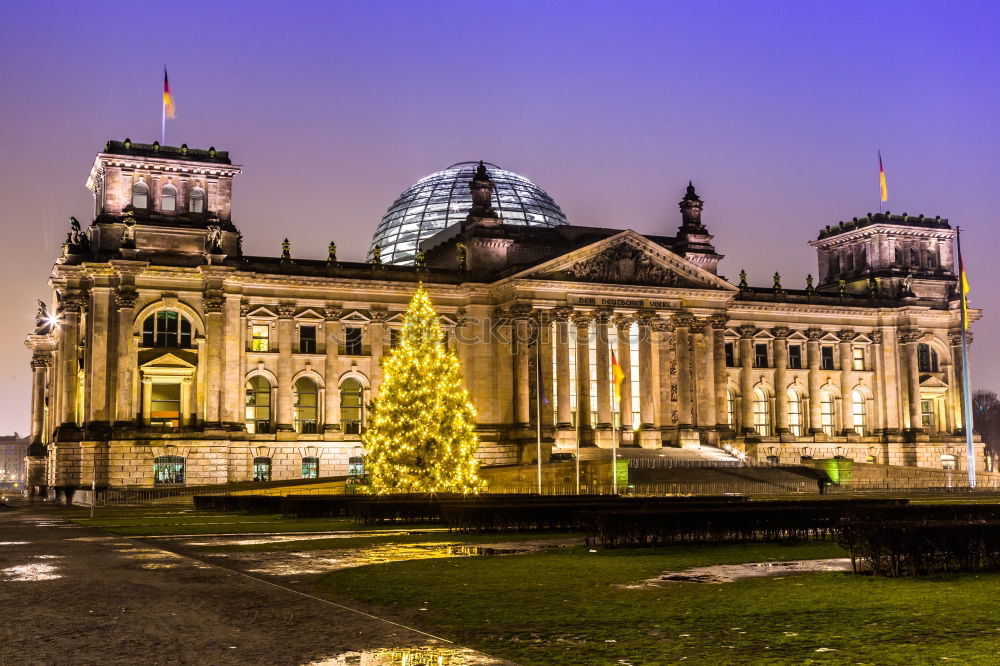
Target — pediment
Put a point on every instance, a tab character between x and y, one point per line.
262	312
310	314
157	359
355	317
932	382
627	258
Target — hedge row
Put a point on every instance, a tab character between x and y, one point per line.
905	548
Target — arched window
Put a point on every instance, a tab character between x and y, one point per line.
351	396
168	198
795	425
168	470
166	328
731	408
258	405
826	413
261	469
196	200
306	401
310	467
140	195
761	413
927	358
858	411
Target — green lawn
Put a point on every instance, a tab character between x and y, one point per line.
562	607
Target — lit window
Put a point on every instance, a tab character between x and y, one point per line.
794	413
258	405
858	362
261	469
307	340
949	461
166	328
168	470
731	408
140	195
168	198
351	400
306	402
795	357
310	468
196	200
165	404
760	355
858	411
259	334
761	414
927	414
826	413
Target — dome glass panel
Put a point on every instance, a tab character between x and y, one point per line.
442	199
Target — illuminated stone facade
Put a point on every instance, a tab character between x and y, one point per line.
171	357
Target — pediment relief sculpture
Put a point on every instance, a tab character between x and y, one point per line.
622	264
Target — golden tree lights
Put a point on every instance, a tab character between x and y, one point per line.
421	433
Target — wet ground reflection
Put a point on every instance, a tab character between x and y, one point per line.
287	563
417	656
728	573
29	572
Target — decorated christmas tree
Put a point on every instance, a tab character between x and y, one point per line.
421	434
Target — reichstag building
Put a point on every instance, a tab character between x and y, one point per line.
168	356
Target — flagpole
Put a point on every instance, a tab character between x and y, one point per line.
163	125
966	383
538	401
881	176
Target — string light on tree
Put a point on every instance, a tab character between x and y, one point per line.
421	434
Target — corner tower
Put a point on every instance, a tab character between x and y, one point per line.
694	243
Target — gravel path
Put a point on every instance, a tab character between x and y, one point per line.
73	594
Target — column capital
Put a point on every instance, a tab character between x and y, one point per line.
846	335
542	317
781	332
876	337
583	318
621	321
719	321
814	334
683	319
212	302
562	312
955	338
520	310
746	331
125	297
72	302
286	310
461	318
378	316
602	315
37	363
244	310
662	325
333	312
698	326
646	317
908	335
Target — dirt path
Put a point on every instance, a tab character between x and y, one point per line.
77	595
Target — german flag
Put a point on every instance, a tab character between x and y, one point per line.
617	376
965	290
168	102
881	178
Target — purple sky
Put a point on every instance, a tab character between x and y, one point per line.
775	110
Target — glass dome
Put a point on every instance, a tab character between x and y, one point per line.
443	199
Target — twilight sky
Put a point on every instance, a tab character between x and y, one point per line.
774	109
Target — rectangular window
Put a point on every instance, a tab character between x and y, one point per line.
826	415
307	340
760	355
352	341
165	405
730	354
794	414
259	337
795	357
927	414
827	357
858	362
310	468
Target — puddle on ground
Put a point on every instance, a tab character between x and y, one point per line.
29	572
418	656
282	563
14	543
728	573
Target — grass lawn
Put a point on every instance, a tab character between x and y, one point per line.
562	607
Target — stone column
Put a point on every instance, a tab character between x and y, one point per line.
649	384
877	420
719	322
908	339
214	343
955	392
704	377
98	356
623	326
376	337
682	327
125	364
69	315
543	338
581	323
522	346
746	331
603	369
331	408
781	334
233	393
815	380
846	364
286	327
39	366
564	406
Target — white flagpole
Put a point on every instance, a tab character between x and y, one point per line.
966	383
163	125
538	401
